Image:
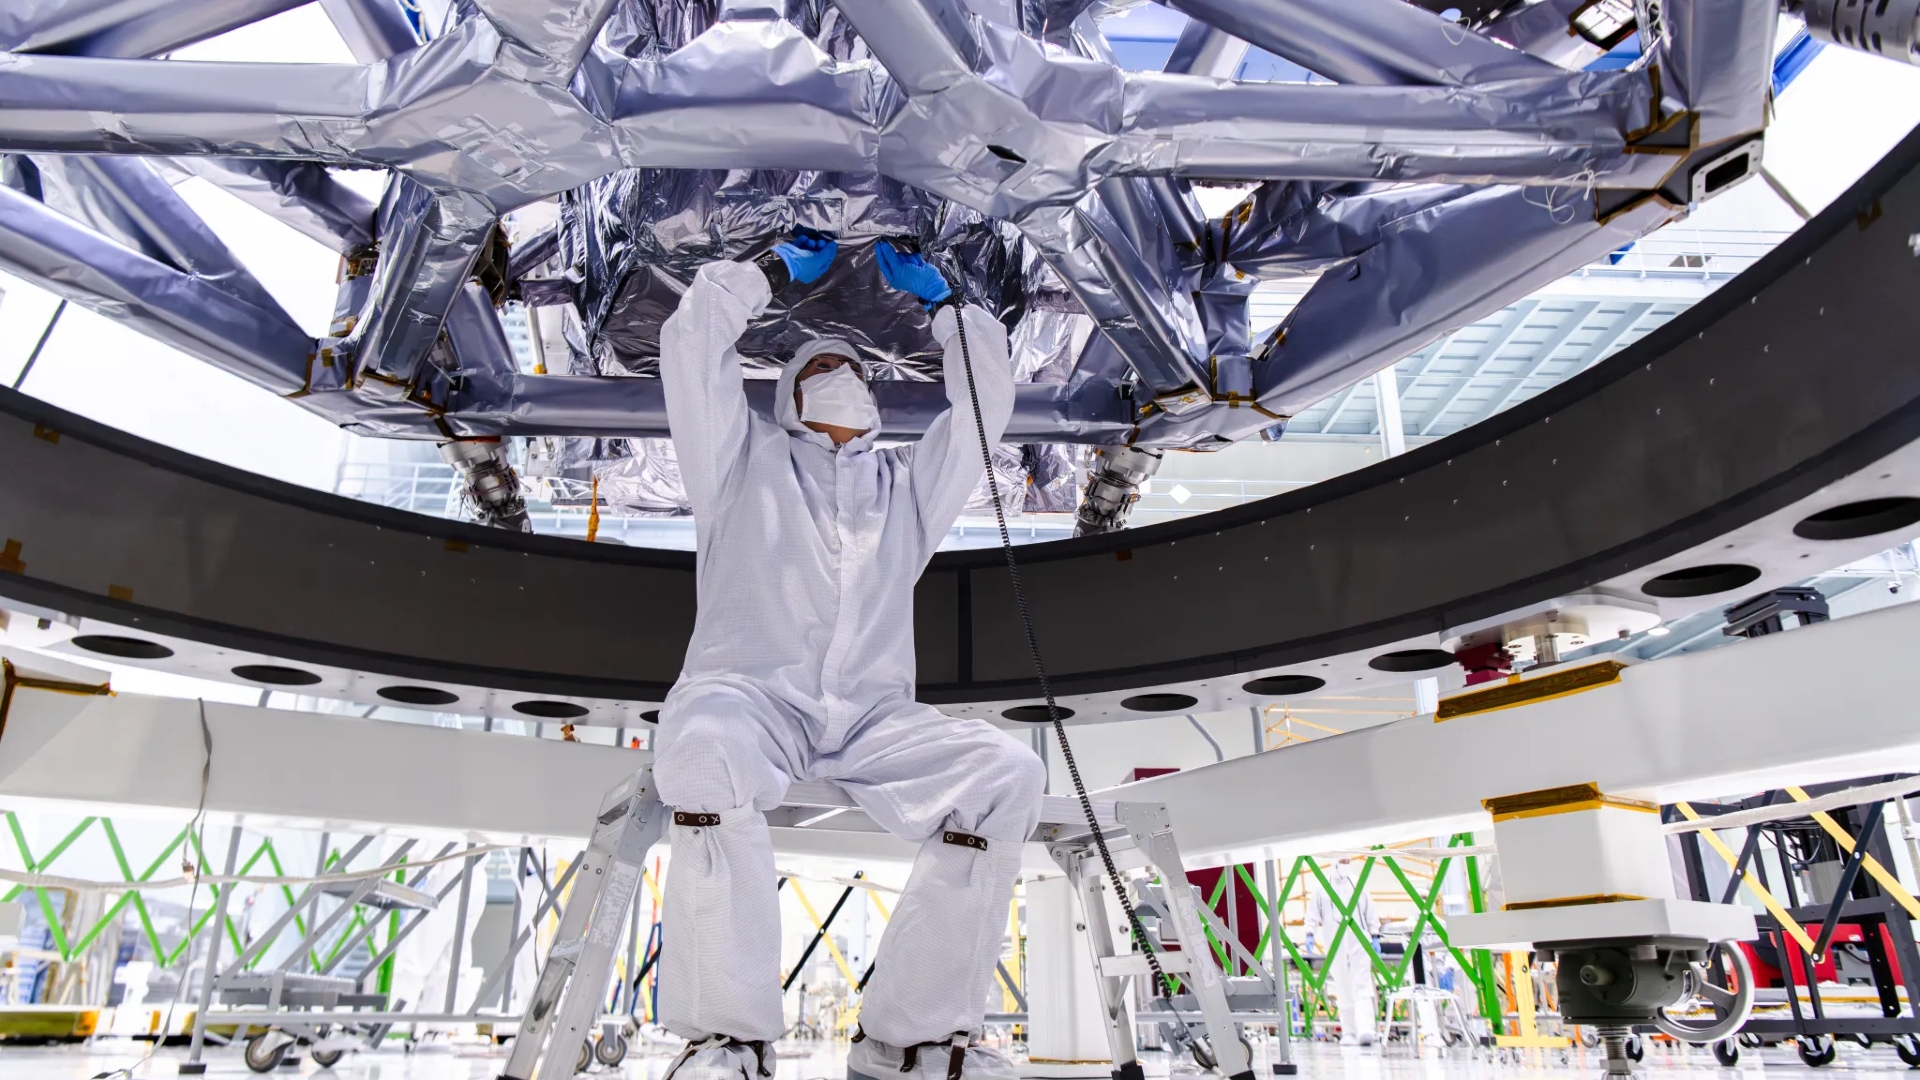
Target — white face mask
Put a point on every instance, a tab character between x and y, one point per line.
838	397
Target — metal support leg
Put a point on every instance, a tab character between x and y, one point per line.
519	879
1040	741
193	1066
460	931
1152	832
627	1001
1848	873
567	997
1282	993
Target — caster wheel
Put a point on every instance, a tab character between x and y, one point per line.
1202	1055
1908	1047
1817	1050
585	1060
326	1059
1636	1048
611	1050
263	1053
1727	1053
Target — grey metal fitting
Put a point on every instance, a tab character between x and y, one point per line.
491	483
1889	28
1113	486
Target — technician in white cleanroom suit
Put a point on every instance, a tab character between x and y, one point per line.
802	667
1352	974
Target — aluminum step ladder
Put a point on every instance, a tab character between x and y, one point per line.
579	968
1143	840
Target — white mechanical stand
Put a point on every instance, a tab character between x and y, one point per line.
552	1043
1588	886
1425	1013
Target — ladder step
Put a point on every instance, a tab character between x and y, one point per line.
1136	964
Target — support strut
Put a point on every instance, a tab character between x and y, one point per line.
1113	486
490	480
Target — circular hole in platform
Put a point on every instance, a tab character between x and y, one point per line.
1282	685
132	648
1701	580
1160	703
276	675
1411	660
1035	714
418	695
550	710
1858	519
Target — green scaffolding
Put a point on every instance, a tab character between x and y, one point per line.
1476	965
72	942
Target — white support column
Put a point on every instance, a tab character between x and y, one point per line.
1426	696
1386	404
1066	1033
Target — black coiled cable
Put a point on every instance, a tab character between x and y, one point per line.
1046	686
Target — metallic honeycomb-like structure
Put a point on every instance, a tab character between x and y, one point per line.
1437	165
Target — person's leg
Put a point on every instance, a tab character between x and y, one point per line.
971	794
1359	1012
721	763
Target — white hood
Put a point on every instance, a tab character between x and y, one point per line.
783	410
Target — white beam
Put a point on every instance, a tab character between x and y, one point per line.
273	767
1386	407
1826	702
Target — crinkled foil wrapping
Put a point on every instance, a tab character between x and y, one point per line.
1446	175
628	245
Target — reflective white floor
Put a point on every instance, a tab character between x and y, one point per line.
813	1061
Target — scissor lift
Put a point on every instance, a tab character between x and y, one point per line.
579	967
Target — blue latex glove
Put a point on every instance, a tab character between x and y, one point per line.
807	256
910	273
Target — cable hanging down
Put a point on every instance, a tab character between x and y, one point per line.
1046	686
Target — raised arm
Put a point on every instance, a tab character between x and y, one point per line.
947	463
706	404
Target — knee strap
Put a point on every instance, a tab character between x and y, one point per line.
721	1042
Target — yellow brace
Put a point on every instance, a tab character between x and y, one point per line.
1870	864
1753	883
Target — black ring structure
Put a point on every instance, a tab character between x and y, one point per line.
1794	374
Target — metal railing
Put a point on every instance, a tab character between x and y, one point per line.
1678	253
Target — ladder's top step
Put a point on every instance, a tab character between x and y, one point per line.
1055	811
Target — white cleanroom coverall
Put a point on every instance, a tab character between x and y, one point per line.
1352	969
801	666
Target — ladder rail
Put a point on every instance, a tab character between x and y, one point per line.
567	993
